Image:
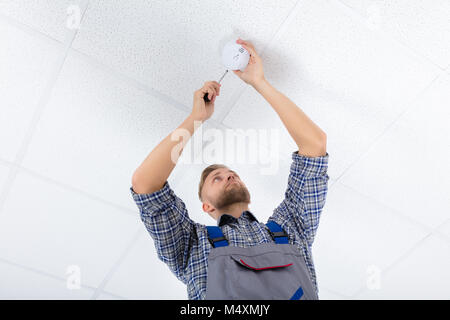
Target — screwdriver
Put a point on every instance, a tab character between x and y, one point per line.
205	97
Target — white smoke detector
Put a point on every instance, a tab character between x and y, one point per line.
234	56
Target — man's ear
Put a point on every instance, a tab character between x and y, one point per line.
206	207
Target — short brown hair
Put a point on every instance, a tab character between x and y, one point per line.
205	174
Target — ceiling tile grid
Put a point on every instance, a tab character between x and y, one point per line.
26	62
405	169
55	19
55	229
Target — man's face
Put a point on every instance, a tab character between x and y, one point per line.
223	187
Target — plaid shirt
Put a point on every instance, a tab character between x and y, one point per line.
183	244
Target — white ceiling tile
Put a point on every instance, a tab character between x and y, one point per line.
445	228
4	170
404	169
422	25
51	229
167	46
107	296
96	130
325	294
423	274
26	63
143	276
347	79
53	18
357	235
22	283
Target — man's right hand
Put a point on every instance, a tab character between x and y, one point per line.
254	71
202	110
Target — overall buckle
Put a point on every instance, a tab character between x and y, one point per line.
213	241
277	234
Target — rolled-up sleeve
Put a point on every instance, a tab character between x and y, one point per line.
166	219
305	196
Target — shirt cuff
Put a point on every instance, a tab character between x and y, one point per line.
309	166
158	200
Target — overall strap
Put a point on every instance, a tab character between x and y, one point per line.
215	237
277	233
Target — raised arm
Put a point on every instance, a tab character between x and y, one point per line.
151	175
310	139
163	213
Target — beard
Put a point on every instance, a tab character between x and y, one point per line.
233	193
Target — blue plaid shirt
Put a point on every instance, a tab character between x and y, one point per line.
183	244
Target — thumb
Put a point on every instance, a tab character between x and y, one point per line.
237	72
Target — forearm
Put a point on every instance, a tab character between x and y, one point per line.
303	130
151	175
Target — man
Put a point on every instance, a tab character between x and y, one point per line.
240	257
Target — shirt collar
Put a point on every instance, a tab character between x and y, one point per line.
226	218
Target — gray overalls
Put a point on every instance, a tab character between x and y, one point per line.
270	271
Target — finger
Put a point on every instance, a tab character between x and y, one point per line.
250	50
208	88
246	43
211	92
214	87
214	84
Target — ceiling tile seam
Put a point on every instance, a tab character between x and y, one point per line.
37	113
28	29
6	163
438	230
396	262
37	33
280	31
397	212
443	223
385	35
117	264
40	272
440	234
78	191
410	106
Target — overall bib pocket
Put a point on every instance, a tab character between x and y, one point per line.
253	263
270	275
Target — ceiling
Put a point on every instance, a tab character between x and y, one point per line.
91	87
